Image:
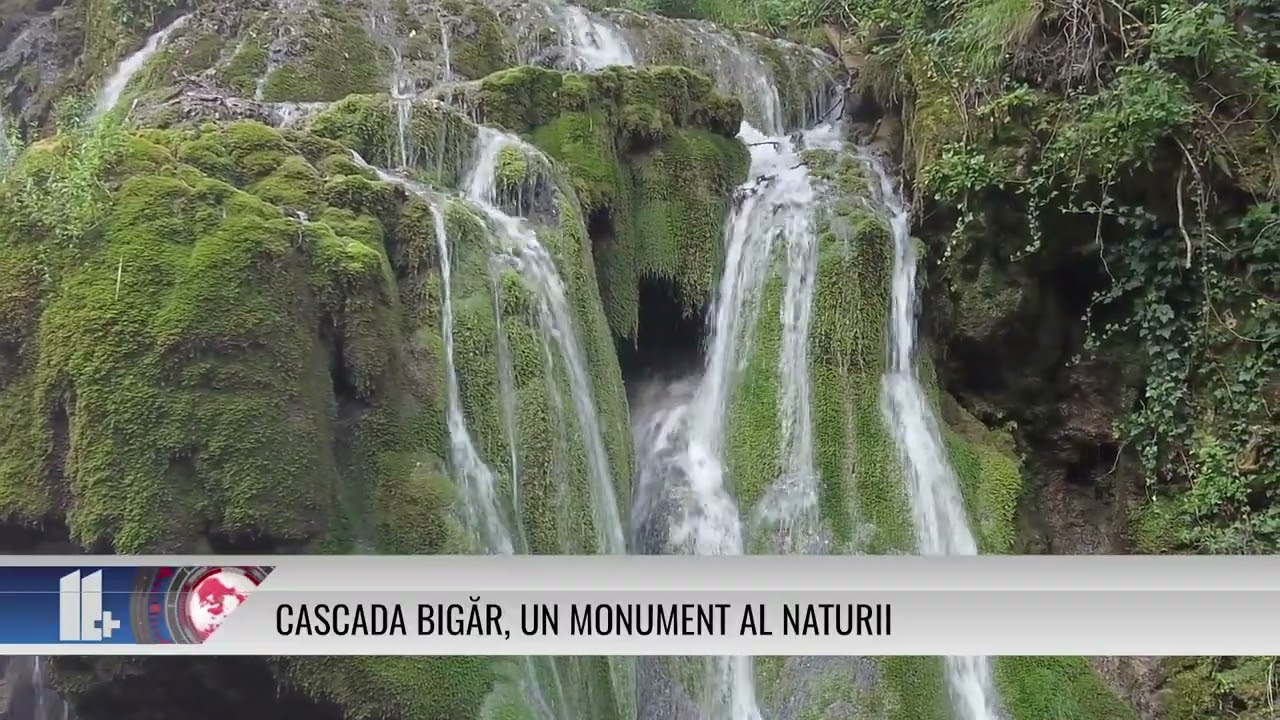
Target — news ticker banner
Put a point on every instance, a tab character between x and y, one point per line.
636	605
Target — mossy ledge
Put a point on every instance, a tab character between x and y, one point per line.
652	158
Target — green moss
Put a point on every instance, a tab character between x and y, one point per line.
799	84
199	53
242	71
913	687
336	58
863	503
421	688
513	168
855	456
933	120
524	98
652	159
1056	687
439	138
295	184
990	480
1220	687
183	320
483	46
1155	526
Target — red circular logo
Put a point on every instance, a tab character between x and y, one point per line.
214	595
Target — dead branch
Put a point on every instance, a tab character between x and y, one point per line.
1182	214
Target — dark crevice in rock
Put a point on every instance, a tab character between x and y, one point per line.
600	228
1089	462
1008	333
668	342
345	392
50	537
166	688
252	544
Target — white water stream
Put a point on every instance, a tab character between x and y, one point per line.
937	507
679	429
483	511
594	43
537	270
119	80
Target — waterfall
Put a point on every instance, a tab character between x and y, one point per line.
522	252
45	701
129	67
402	94
937	506
41	692
595	43
537	270
791	503
679	430
482	510
444	49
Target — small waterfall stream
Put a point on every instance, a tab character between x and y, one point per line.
482	508
119	80
537	270
937	508
594	43
402	94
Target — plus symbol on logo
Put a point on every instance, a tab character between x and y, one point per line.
109	624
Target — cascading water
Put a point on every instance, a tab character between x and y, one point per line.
679	435
522	252
594	43
538	271
402	93
483	511
937	506
119	80
45	702
446	53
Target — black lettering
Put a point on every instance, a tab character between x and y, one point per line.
864	619
539	619
284	626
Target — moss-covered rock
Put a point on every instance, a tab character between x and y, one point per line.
652	159
479	44
438	140
335	58
862	498
235	276
194	310
745	65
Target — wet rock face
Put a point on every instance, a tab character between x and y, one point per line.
35	57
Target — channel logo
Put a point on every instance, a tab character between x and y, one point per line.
121	605
80	614
186	605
